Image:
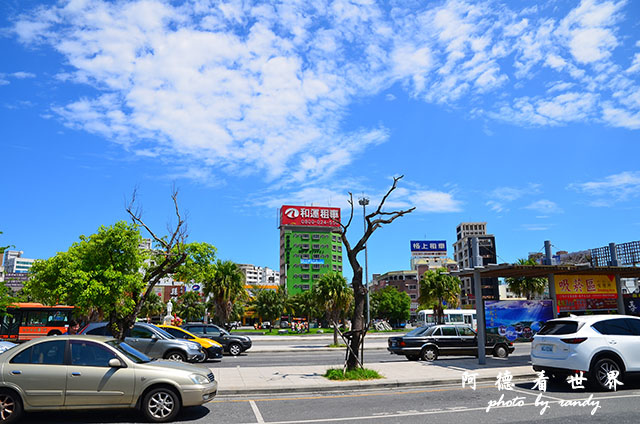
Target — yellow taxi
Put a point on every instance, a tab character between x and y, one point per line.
212	348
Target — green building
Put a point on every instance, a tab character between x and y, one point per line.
310	246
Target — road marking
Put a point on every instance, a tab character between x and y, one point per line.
256	411
544	394
400	414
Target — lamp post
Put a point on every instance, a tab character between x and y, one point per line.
364	201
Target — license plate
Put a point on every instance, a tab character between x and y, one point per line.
546	348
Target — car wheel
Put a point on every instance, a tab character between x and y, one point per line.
429	353
500	351
10	406
175	355
54	333
601	370
235	349
160	405
413	357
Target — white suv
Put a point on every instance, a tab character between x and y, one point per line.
595	344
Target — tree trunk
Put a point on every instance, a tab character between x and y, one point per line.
335	333
357	323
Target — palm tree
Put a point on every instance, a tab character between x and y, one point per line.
268	305
333	296
190	306
437	287
152	306
526	287
225	286
304	304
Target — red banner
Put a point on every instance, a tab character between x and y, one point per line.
310	216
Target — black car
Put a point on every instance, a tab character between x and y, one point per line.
430	342
231	343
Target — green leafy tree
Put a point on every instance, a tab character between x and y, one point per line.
391	304
153	306
268	305
304	305
526	287
334	297
190	306
226	287
108	274
438	287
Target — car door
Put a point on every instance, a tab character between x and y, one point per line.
633	344
40	372
620	337
142	339
448	342
90	379
468	340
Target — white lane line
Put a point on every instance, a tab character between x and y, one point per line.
535	394
423	413
256	411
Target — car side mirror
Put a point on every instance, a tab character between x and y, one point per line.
115	363
154	337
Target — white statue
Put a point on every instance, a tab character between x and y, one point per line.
168	318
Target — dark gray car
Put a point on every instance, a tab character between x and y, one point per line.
153	342
231	343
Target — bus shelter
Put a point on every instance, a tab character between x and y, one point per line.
570	286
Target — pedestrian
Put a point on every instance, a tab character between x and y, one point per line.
74	327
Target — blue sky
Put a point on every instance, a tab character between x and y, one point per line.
521	115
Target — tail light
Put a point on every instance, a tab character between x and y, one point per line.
574	340
402	343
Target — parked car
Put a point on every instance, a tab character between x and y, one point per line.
153	342
6	346
594	344
212	348
231	343
91	372
430	342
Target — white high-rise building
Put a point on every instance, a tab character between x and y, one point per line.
14	262
259	276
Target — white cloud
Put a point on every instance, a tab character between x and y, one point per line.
544	206
23	75
613	188
252	87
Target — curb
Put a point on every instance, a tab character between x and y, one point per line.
308	349
359	385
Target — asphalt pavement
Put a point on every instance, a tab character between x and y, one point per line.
309	378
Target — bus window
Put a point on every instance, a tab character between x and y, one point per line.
455	318
431	318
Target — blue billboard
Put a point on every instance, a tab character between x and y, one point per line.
312	261
517	320
428	245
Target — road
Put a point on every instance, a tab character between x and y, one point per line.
442	404
307	356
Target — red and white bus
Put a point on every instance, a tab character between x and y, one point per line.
26	321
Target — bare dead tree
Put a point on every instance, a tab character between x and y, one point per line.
169	255
374	220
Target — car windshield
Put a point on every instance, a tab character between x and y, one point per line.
417	331
131	353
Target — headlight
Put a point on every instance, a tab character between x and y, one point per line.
199	379
193	346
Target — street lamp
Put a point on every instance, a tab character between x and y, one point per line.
364	201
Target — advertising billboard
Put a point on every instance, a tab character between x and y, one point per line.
585	292
310	216
420	246
517	320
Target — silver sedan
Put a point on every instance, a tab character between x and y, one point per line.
93	372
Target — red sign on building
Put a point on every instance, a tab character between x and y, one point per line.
310	216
